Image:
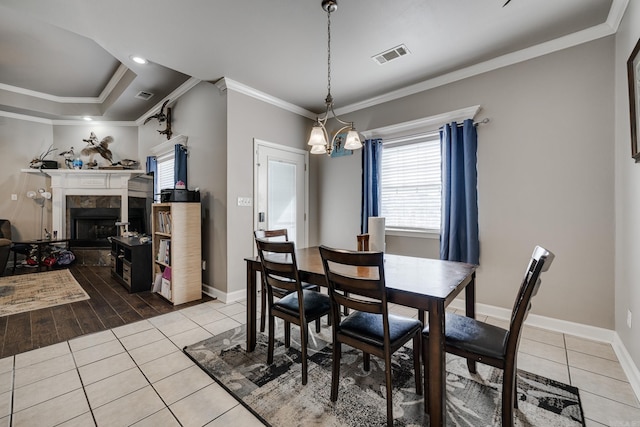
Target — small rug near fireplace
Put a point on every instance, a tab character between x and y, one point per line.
26	292
276	395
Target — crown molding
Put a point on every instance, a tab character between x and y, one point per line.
608	28
226	83
26	117
120	72
177	93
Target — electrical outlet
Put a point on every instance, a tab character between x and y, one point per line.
629	318
14	197
245	201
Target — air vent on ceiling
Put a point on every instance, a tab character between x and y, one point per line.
143	95
391	54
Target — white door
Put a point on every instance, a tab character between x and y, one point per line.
281	184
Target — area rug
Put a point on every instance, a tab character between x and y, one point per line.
26	292
275	394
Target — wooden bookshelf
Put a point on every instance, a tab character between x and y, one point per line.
177	246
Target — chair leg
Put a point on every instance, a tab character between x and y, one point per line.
471	365
335	370
318	325
425	362
417	345
263	307
387	374
508	397
303	351
287	334
366	361
270	346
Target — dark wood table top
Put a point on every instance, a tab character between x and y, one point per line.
420	279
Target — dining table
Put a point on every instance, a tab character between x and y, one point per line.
421	283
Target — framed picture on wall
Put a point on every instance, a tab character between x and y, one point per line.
633	74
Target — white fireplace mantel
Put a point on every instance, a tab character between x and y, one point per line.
87	182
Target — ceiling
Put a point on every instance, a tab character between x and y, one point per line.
66	59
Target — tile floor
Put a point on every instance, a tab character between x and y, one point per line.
137	375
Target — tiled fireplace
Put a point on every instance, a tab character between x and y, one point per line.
87	203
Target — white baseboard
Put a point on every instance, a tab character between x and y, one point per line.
577	329
629	368
224	297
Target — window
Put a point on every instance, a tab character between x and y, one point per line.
411	183
165	165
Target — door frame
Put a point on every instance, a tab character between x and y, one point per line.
261	143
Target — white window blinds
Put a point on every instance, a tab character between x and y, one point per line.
411	183
165	171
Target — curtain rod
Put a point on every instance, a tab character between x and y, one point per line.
481	122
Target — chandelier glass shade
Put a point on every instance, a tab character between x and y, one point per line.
319	139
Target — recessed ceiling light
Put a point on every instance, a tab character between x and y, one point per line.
139	59
87	118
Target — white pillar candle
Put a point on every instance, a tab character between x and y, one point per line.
376	233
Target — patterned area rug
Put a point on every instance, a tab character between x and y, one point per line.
26	292
276	395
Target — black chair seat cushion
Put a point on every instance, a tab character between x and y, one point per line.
468	334
367	327
316	304
282	292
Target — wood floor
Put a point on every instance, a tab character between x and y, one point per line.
109	306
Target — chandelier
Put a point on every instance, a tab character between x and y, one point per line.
319	138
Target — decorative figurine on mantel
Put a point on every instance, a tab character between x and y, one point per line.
68	158
93	148
40	162
162	118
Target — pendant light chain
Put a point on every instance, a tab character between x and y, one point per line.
329	97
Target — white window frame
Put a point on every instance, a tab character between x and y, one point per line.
165	153
424	125
432	137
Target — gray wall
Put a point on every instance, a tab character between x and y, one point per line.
545	176
627	193
249	118
200	115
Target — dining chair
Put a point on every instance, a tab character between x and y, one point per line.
485	343
279	235
362	242
299	306
356	280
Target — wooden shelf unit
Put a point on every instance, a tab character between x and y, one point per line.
179	224
130	263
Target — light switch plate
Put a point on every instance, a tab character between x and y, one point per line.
14	197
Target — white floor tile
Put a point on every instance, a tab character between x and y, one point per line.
596	364
177	327
221	326
132	328
152	351
91	340
231	309
115	387
54	411
41	354
141	338
6	364
543	367
163	418
105	368
5	404
238	416
545	351
84	420
543	336
191	336
203	406
608	412
182	384
35	393
45	369
6	381
593	348
168	365
603	386
97	352
129	409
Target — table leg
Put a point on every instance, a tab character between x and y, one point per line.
437	364
251	307
470	306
